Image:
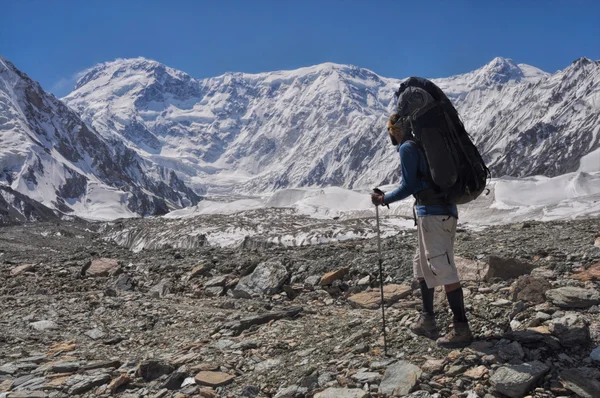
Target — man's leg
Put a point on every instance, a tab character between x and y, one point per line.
441	259
426	325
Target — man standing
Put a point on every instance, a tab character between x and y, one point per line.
433	263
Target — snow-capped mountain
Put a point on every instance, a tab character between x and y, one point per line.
48	154
323	125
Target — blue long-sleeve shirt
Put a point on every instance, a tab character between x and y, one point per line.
414	165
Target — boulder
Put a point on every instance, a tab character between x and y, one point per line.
100	267
333	276
471	270
161	289
507	268
372	299
573	297
571	330
595	354
214	291
22	269
530	289
267	278
217	281
399	378
125	283
516	380
118	382
44	325
200	270
150	370
511	351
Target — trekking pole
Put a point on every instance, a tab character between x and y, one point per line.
378	191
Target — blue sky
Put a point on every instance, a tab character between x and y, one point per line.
52	41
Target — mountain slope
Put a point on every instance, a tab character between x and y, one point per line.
50	155
323	125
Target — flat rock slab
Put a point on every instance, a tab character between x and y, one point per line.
342	393
22	269
333	276
78	384
213	379
573	297
516	380
27	394
580	384
44	325
372	299
477	372
590	274
95	334
100	267
366	377
292	392
399	378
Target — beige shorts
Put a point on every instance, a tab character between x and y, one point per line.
434	258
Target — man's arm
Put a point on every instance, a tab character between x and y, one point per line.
409	162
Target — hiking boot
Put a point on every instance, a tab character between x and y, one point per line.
425	326
458	337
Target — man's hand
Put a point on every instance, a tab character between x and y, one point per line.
377	199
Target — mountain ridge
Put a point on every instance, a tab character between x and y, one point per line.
261	132
50	155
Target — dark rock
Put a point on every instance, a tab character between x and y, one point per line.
174	381
511	351
125	283
267	278
571	330
578	382
250	392
507	268
152	369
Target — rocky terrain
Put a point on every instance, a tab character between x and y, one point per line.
81	316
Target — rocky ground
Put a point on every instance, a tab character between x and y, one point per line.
81	316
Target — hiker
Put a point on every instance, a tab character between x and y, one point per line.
433	263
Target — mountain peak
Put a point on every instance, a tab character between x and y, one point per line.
501	70
128	67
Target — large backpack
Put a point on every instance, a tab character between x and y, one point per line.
458	173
